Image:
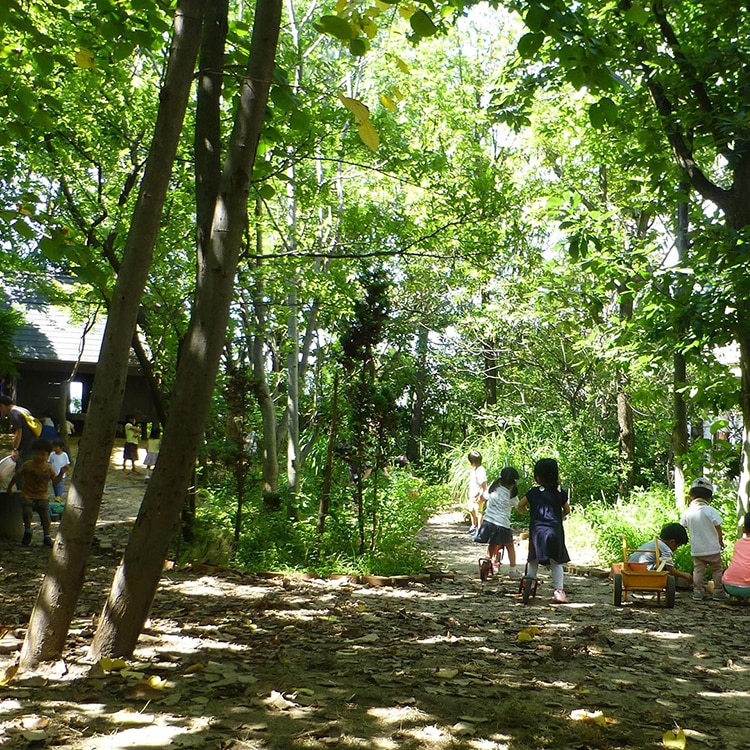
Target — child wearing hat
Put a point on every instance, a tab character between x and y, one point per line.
703	522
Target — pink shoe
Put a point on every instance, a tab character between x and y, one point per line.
560	597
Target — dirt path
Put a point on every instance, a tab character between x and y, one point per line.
234	661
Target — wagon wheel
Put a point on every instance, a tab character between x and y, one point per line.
617	596
527	589
671	587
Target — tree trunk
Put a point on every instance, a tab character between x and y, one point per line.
680	430
626	474
325	487
61	587
413	446
137	578
261	389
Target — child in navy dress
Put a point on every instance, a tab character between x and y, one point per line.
547	505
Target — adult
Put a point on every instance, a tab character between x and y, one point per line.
23	435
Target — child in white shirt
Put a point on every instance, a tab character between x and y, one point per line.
495	530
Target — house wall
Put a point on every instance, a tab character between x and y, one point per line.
40	391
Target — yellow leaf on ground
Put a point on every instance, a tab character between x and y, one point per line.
112	665
524	636
593	717
674	739
446	674
8	675
156	682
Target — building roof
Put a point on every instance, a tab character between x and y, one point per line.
50	333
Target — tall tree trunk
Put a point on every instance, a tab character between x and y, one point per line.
261	389
137	578
325	487
626	474
679	406
413	446
292	357
61	587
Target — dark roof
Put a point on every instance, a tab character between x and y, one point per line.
50	333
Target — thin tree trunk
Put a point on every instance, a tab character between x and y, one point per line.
325	487
626	474
261	389
679	406
61	587
413	446
137	578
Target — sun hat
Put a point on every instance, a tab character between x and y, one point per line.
703	484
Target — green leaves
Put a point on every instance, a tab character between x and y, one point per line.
336	27
422	24
530	44
603	113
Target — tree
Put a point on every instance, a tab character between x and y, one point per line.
62	584
137	577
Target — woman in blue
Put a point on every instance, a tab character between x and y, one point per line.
547	505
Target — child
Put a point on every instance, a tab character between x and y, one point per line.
547	505
152	450
495	531
477	489
736	578
672	536
132	438
706	540
59	460
36	474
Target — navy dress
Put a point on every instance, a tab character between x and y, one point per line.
546	533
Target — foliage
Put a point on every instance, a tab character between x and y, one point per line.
269	541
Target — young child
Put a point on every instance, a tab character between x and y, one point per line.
59	460
477	490
36	474
495	530
672	536
703	523
736	578
152	450
548	505
132	438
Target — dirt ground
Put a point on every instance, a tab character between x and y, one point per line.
234	661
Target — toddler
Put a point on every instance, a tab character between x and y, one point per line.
152	450
477	489
495	530
59	460
703	522
35	475
736	578
672	536
547	505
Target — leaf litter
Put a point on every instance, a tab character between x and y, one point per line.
233	661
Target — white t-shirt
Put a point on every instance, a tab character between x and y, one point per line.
646	554
477	479
701	520
58	461
499	505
